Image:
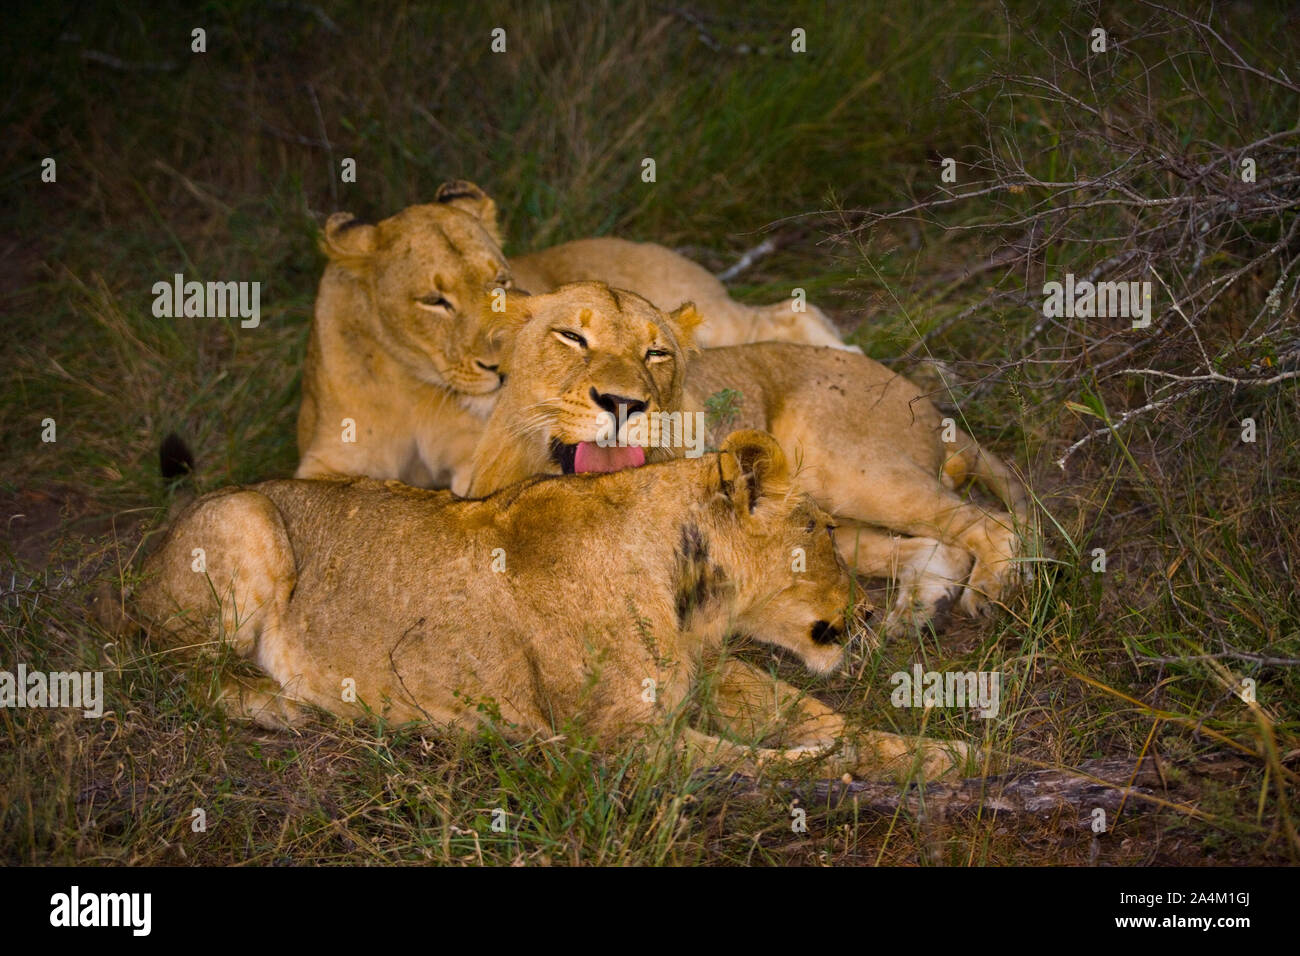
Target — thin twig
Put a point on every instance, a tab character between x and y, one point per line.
760	251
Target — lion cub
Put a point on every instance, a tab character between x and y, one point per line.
592	597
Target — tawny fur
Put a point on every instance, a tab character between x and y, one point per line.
416	380
449	611
869	445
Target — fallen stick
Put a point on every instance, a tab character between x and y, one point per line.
1070	795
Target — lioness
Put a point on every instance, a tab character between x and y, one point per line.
871	447
434	608
399	375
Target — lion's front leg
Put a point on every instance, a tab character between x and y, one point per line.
927	574
906	499
789	726
879	754
750	704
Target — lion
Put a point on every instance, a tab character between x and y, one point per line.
587	366
358	596
400	376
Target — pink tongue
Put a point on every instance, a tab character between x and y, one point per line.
592	457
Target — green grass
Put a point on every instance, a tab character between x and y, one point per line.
204	169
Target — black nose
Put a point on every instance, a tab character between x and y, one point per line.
612	403
823	632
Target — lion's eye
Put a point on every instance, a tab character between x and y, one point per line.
812	525
572	337
433	301
504	281
656	355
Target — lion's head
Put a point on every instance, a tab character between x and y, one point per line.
590	373
431	272
782	546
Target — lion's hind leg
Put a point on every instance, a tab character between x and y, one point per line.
224	576
793	321
261	701
880	754
705	751
873	754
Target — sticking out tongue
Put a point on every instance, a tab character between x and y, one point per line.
592	457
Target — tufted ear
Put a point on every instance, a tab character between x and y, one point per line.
348	241
752	467
464	195
685	319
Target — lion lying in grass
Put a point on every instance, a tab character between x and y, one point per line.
871	448
594	597
400	374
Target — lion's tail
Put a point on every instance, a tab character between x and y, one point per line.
112	605
967	459
175	460
176	465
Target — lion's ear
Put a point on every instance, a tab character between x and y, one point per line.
466	196
348	241
501	327
685	320
752	467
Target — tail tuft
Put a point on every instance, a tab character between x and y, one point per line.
175	460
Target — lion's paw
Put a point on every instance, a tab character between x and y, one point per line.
992	581
884	755
927	587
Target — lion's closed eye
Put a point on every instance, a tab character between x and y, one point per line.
434	300
567	336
